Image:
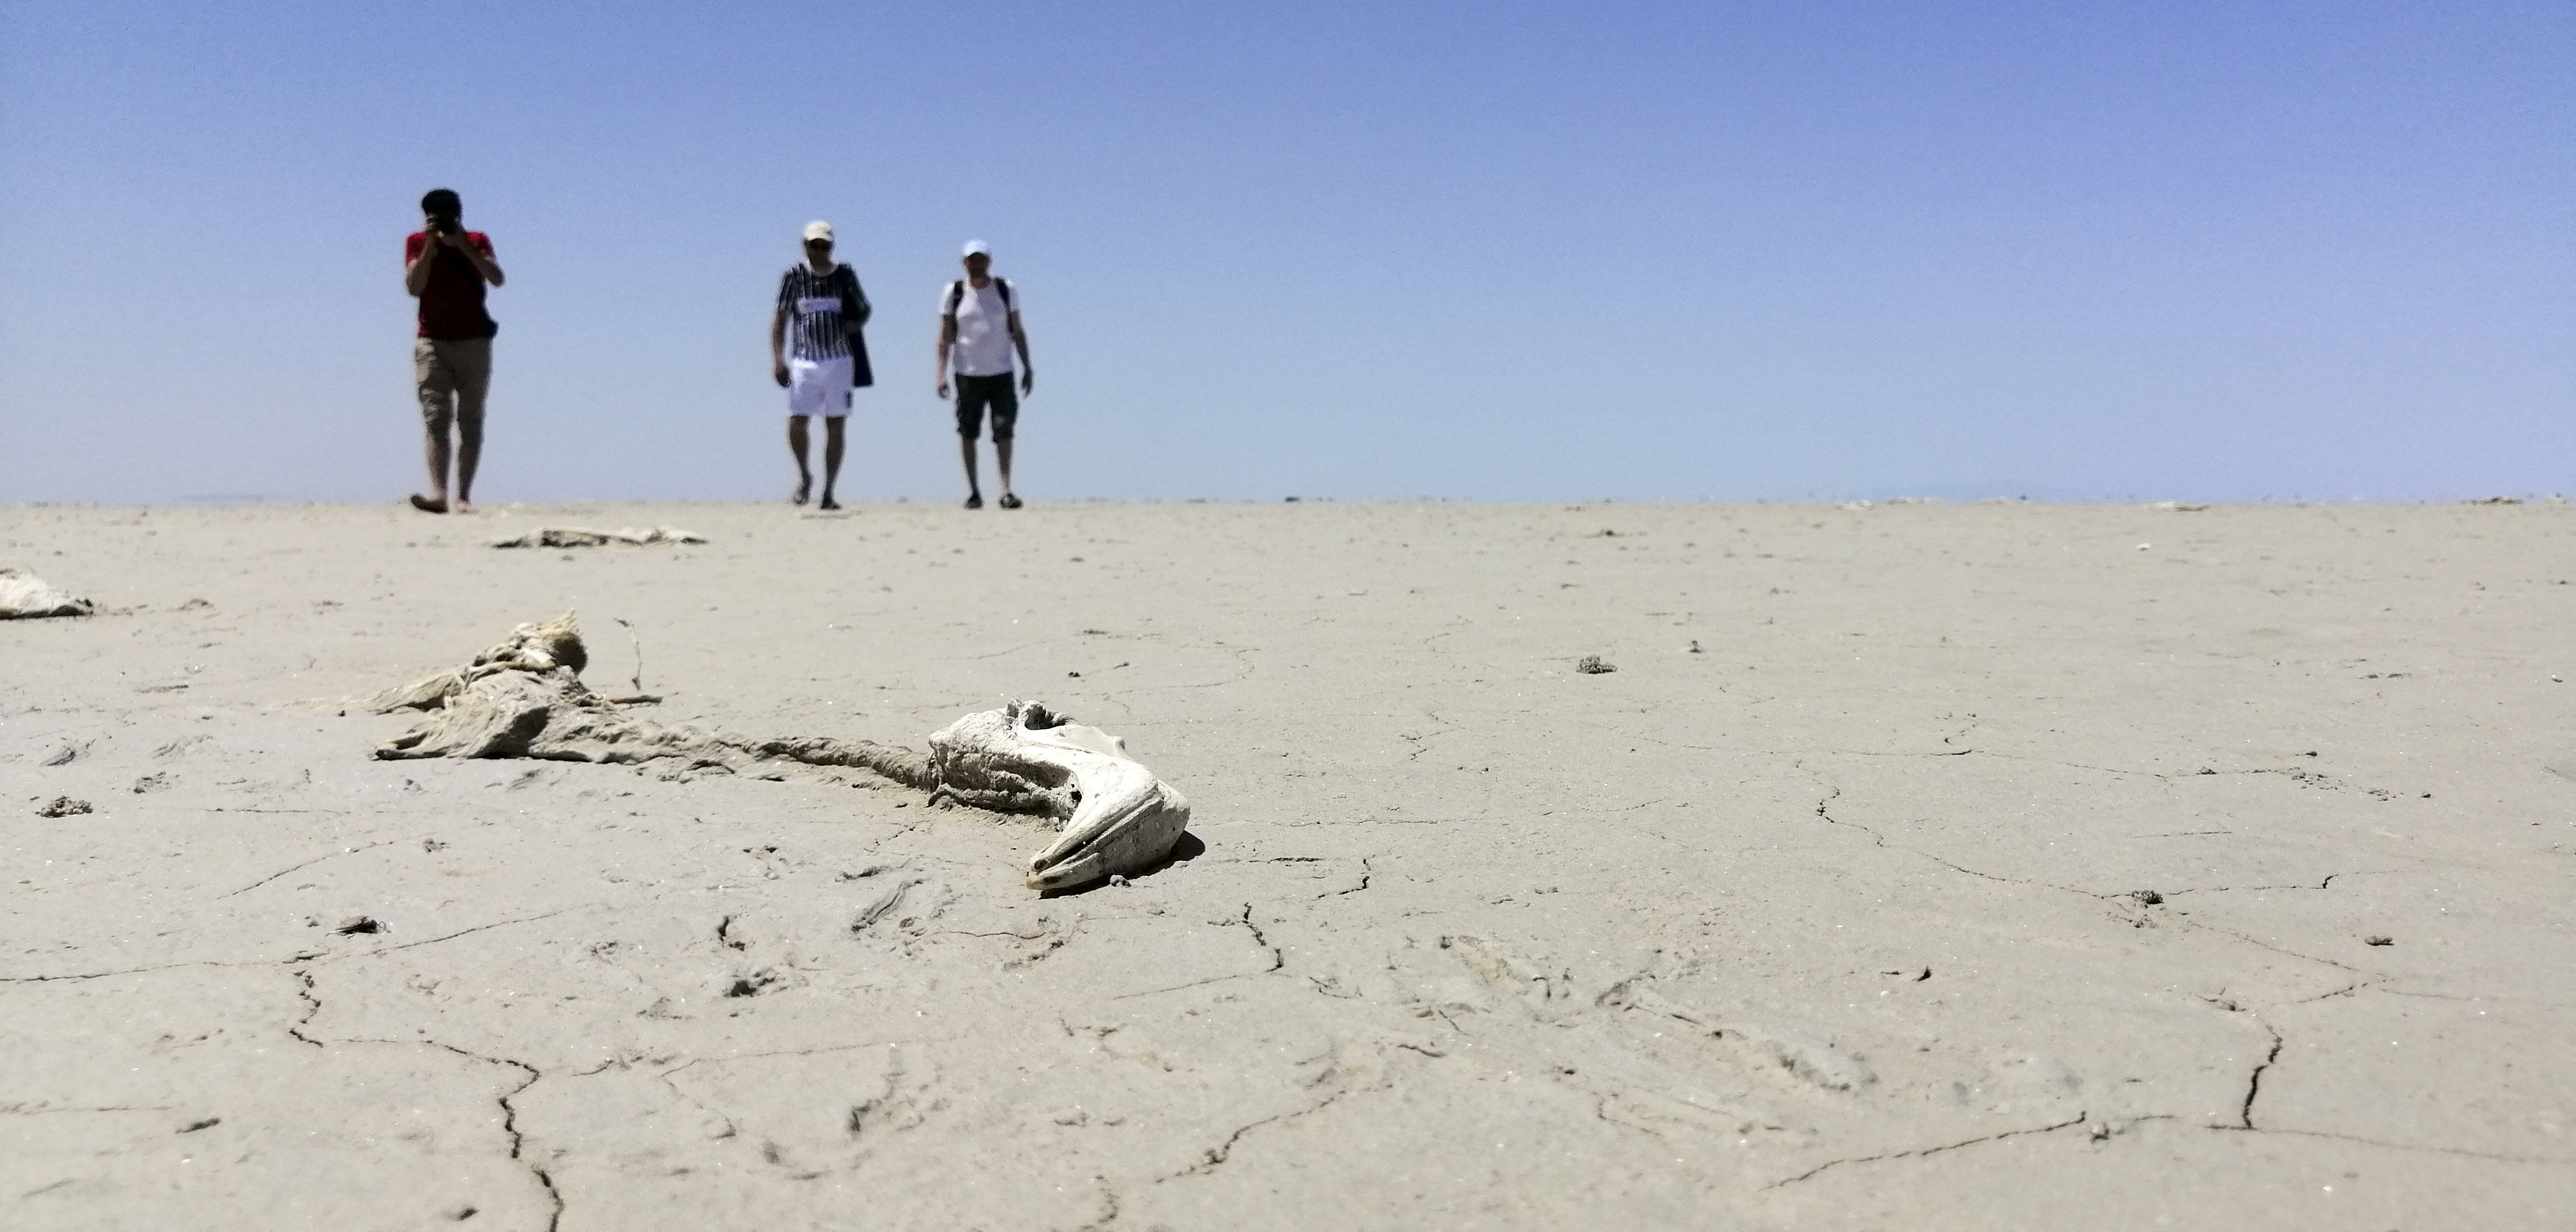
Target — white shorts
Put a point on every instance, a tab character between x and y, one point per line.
819	387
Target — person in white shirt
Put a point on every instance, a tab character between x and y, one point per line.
979	328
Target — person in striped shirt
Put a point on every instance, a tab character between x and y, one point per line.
816	353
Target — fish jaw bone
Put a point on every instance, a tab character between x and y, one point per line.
1118	818
1126	821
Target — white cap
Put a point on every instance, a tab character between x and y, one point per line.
978	248
819	230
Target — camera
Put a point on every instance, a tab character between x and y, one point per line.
443	226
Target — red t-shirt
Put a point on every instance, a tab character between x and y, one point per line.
451	302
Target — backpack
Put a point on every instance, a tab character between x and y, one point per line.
957	291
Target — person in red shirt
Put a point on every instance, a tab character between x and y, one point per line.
445	267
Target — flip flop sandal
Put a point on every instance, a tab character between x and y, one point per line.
975	502
1009	501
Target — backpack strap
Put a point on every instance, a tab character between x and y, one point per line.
957	291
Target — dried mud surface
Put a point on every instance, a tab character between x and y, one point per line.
1920	866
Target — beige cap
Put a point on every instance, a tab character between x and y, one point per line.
819	230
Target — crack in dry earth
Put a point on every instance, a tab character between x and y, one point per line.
306	992
1929	1150
306	864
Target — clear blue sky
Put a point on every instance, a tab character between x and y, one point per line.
1489	252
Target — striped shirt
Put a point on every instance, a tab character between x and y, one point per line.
811	303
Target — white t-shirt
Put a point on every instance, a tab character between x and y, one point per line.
983	346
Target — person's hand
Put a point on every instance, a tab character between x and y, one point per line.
943	389
1028	380
778	371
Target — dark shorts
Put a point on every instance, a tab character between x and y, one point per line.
974	393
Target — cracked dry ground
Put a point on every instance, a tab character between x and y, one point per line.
1977	869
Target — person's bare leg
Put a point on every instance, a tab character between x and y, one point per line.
436	390
796	446
1002	459
974	481
435	451
468	367
831	458
469	454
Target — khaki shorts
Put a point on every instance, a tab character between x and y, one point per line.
451	378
